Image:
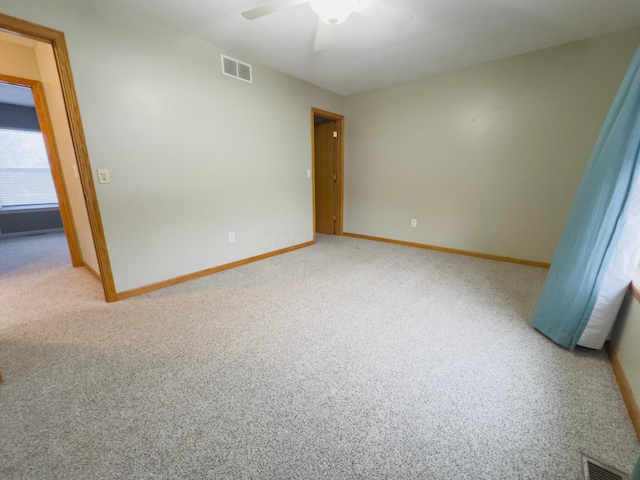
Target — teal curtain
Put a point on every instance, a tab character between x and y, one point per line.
595	221
635	475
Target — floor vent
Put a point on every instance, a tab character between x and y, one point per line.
594	470
236	69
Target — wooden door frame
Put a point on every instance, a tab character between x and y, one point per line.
339	119
46	128
58	43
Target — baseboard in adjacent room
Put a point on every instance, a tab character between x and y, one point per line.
92	271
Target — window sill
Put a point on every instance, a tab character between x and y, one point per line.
29	208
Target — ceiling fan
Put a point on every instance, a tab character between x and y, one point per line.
332	12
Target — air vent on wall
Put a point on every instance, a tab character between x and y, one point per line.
594	470
236	69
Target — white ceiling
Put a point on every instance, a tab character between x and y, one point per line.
444	35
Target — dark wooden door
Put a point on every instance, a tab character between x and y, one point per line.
325	177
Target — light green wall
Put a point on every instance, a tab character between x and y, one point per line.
192	154
487	158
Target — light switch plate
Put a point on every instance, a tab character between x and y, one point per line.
103	176
308	173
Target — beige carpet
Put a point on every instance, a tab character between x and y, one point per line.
38	282
349	359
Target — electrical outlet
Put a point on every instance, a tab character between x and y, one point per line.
232	237
414	222
103	176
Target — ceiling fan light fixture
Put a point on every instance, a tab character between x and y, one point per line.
333	12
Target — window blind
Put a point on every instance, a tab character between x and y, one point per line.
25	176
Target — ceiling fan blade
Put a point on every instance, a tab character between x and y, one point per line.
270	8
324	34
383	14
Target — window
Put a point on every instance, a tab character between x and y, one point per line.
25	176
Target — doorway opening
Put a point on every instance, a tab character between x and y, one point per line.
327	133
35	197
93	233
